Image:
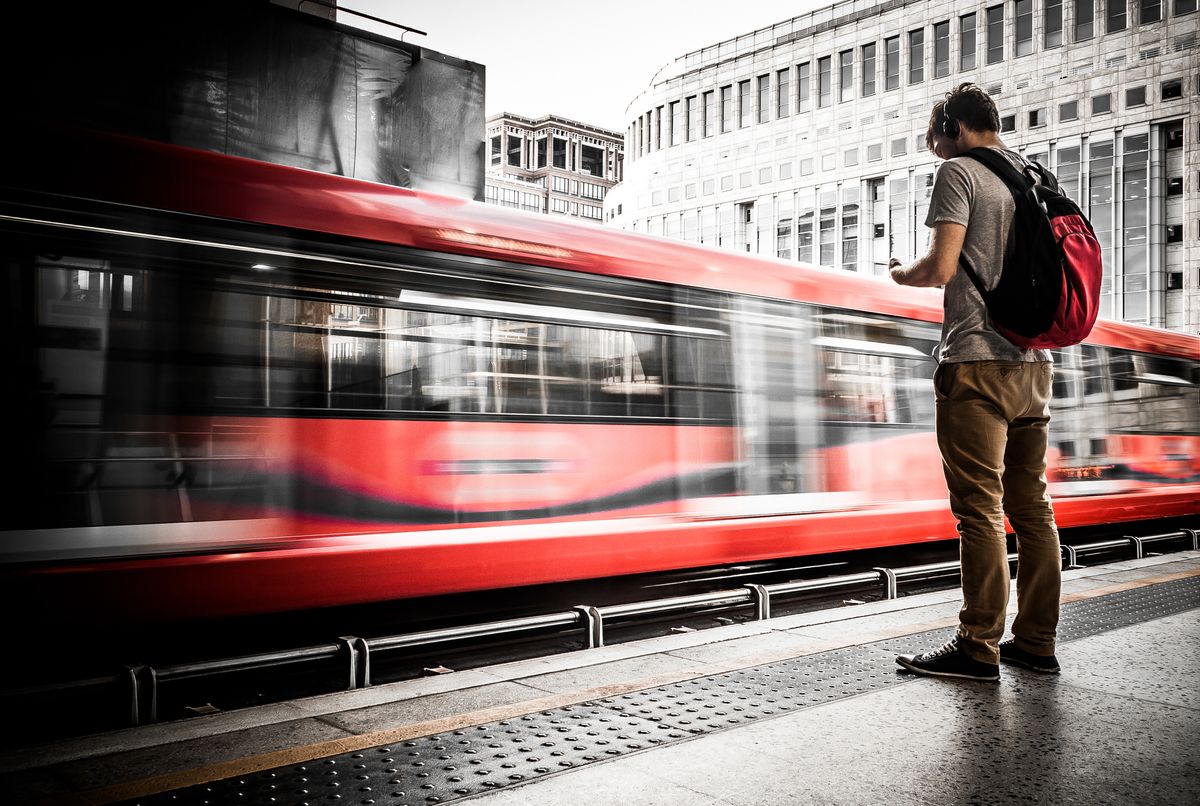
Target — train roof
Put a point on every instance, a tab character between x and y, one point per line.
131	171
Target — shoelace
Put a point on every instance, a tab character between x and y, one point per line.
948	648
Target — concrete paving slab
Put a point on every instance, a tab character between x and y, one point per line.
732	650
588	677
614	783
421	709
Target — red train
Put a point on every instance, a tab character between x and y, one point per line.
249	388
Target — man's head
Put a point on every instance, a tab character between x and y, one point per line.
966	114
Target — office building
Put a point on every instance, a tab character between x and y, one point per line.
805	140
551	164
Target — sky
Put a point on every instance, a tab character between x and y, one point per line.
584	61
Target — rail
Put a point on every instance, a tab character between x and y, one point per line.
141	683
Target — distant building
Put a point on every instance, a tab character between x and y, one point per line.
805	140
552	164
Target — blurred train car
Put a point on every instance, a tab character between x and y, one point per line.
245	388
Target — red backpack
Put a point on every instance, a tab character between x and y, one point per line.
1049	289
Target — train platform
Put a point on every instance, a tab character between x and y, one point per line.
799	709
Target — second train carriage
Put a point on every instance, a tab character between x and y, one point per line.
253	388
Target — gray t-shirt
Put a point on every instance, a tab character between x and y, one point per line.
967	192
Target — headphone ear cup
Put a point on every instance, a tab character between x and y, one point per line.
950	128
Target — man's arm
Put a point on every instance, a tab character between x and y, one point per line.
936	268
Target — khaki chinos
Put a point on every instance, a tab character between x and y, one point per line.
992	422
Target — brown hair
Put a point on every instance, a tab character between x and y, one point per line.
967	105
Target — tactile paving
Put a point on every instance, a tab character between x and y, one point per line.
451	766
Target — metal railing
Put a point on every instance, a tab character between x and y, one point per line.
141	683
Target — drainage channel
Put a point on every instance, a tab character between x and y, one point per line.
446	767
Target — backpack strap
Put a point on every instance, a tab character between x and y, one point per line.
1015	180
1017	184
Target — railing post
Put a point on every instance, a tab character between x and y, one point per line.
143	700
350	646
1072	558
1139	546
593	621
762	601
888	577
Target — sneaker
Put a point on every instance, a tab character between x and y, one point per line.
949	660
1011	653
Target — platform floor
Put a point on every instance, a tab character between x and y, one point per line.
794	710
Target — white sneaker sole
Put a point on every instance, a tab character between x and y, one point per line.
910	666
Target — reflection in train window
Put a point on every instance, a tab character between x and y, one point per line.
877	370
446	354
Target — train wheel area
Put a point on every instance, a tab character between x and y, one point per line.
799	708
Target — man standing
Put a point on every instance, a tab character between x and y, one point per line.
992	410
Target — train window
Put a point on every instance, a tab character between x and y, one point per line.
878	370
1095	372
466	355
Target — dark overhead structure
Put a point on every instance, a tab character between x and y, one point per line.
254	79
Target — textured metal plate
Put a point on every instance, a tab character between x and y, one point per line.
451	766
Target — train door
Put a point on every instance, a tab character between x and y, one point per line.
777	405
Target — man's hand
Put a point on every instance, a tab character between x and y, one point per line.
936	268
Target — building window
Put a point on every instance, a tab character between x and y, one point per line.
941	49
868	69
1184	7
514	150
1135	96
727	108
674	124
1175	281
1101	104
783	92
764	98
710	112
496	150
891	50
804	236
785	170
689	120
1024	13
592	160
1175	186
541	152
1174	135
1115	13
899	147
658	129
1150	11
764	175
806	166
966	40
560	153
1172	89
1068	111
1008	123
744	101
727	182
803	89
744	179
1037	117
1085	12
846	75
824	81
850	157
916	56
1174	233
995	34
874	152
709	187
1053	23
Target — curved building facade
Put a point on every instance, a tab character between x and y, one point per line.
805	140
